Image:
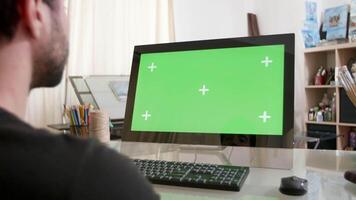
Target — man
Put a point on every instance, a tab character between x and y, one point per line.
33	163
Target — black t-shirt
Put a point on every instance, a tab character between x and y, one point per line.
37	165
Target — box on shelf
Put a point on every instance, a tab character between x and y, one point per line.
326	133
347	109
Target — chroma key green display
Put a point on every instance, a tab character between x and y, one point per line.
228	90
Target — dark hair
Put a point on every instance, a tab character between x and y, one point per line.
9	17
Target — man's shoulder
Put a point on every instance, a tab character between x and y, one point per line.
34	149
108	175
86	168
26	137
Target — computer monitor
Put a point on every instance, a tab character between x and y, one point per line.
229	87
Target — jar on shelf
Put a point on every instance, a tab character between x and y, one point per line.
319	116
311	115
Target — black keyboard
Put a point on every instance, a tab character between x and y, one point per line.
220	177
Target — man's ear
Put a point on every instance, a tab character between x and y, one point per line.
31	15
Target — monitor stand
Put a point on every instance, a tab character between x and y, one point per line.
272	158
201	148
205	149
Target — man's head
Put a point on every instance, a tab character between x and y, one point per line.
43	24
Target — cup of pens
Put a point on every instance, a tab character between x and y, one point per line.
87	122
78	115
78	118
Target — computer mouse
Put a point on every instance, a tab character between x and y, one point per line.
293	186
350	176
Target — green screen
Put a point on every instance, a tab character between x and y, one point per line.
228	91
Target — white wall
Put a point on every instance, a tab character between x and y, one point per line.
333	3
207	19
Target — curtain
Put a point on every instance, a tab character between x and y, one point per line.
103	34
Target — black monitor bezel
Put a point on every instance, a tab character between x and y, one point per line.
288	40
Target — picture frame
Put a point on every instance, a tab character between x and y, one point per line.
336	22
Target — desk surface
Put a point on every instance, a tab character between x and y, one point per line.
323	169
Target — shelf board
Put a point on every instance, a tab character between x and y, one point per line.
331	47
322	123
320	86
320	49
347	124
346	45
331	123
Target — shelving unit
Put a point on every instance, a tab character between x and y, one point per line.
329	57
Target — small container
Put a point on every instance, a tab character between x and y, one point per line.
316	109
319	80
311	115
329	115
319	117
333	108
99	126
352	139
324	115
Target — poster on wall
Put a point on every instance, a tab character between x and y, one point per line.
335	22
310	31
311	11
352	28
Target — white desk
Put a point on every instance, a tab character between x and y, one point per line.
323	169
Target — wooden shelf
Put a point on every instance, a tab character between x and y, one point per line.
321	86
321	123
329	57
347	124
320	49
331	123
332	47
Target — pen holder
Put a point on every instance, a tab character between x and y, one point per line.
81	131
77	115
